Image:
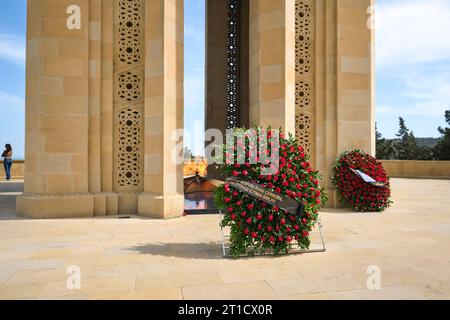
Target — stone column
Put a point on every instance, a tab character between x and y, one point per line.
163	188
216	65
57	112
344	84
355	77
272	64
218	25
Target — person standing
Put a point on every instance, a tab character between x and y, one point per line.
7	160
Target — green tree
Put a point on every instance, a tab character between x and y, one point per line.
420	153
442	149
385	148
406	148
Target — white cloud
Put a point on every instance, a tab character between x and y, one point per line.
11	102
12	48
412	31
425	94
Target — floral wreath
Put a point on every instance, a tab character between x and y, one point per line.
361	181
257	227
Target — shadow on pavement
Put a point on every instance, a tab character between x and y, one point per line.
212	250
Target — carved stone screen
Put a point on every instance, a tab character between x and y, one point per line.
233	74
129	94
304	73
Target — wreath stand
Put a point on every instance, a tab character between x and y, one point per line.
317	244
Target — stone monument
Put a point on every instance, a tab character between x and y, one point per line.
105	92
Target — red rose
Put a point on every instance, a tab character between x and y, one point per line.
305	234
246	231
269	229
243	214
254	235
230	209
259	217
249	220
250	206
282	221
233	216
235	173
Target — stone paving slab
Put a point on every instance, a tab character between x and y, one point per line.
181	259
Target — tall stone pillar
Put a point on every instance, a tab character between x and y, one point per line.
311	69
355	76
57	112
103	99
343	90
227	93
272	63
163	195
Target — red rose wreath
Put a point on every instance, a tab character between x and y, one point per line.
257	227
351	188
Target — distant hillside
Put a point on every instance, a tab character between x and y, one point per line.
422	142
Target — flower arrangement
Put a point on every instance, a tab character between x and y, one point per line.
352	189
257	227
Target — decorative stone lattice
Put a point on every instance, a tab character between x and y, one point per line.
303	27
303	131
233	75
129	31
303	94
129	124
129	88
304	72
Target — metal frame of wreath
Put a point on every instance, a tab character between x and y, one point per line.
317	230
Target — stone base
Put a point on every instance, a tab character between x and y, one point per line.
60	206
56	206
161	207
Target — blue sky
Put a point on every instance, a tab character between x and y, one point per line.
412	59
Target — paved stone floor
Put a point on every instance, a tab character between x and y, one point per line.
180	259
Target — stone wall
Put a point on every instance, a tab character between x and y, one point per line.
417	169
17	169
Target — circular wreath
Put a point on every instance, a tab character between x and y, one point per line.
257	227
351	188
